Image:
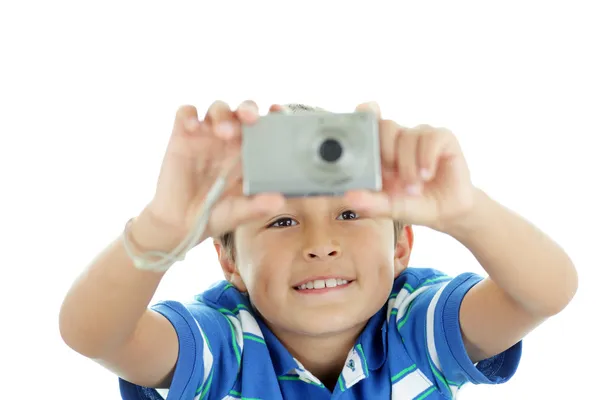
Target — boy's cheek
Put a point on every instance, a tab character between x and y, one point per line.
266	273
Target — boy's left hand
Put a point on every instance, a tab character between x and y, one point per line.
426	180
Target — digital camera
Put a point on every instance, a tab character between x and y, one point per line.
311	154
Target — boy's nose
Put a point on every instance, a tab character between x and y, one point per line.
322	252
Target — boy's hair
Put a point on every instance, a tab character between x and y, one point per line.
227	240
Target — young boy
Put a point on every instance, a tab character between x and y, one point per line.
319	301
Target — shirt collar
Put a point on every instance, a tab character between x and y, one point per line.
373	342
283	361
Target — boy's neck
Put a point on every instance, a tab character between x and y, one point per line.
322	356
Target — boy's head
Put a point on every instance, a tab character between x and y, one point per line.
312	242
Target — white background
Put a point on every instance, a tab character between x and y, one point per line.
88	92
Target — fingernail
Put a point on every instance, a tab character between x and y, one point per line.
248	108
224	129
276	108
413	190
373	106
192	124
426	174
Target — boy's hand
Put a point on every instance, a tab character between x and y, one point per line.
198	151
426	180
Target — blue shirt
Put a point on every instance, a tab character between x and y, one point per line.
411	349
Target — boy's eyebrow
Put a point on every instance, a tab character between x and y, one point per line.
298	206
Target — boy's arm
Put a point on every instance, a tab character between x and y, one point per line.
105	314
530	278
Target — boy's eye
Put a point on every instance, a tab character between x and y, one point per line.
283	222
348	214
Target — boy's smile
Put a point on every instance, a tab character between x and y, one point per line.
323	290
322	284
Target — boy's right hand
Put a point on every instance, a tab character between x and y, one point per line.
197	153
105	315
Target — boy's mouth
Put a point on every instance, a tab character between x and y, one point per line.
318	285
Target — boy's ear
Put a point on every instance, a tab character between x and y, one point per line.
230	271
403	249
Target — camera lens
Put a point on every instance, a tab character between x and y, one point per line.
330	150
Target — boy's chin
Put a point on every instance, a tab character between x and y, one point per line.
326	324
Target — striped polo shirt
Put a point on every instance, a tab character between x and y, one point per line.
411	349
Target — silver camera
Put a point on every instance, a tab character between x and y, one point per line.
311	154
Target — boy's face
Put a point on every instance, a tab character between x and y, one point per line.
316	242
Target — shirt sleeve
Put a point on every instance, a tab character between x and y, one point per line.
435	338
204	334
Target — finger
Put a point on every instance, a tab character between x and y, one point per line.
222	120
432	145
388	131
427	152
380	204
225	158
372	204
276	108
371	107
234	211
235	180
406	160
391	183
235	184
188	139
247	112
186	119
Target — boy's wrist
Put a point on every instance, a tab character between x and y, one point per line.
148	233
471	223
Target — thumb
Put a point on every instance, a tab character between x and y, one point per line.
233	211
370	106
409	209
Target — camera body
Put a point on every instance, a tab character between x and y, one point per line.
311	154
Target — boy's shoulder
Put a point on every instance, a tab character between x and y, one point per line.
214	329
420	273
413	278
208	308
223	297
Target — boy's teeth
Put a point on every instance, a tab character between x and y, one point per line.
322	283
331	282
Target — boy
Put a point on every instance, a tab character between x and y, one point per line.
318	301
